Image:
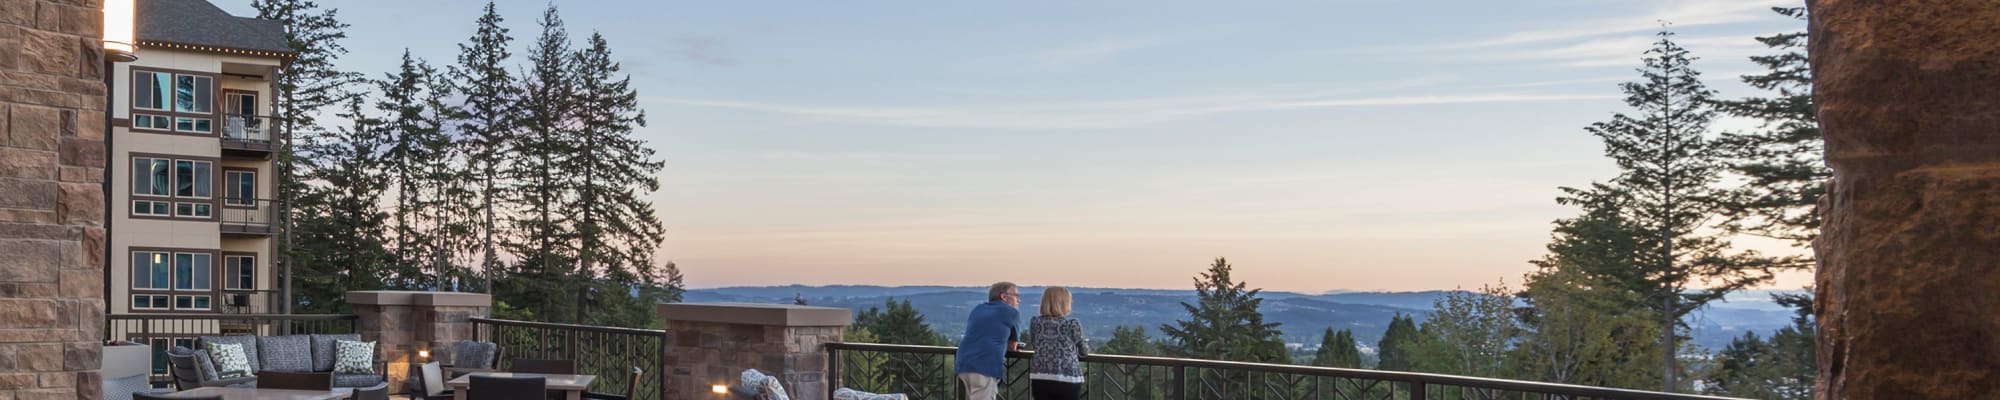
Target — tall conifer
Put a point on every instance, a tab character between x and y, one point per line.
487	123
1783	162
1224	323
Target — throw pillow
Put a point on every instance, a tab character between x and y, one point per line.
352	357
229	358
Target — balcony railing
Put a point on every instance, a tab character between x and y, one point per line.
925	372
251	217
608	353
164	331
249	135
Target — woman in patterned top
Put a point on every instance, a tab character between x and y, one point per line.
1056	373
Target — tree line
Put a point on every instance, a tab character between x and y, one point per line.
1607	305
519	177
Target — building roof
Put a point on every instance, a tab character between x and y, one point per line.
198	24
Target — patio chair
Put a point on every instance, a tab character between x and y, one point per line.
542	366
379	393
470	356
431	383
631	388
296	381
163	396
498	388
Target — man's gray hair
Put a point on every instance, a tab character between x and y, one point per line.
998	289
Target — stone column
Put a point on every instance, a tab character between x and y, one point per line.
1909	277
403	323
52	126
712	343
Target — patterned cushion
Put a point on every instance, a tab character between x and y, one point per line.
229	357
766	387
351	357
851	394
322	349
291	353
356	380
249	347
470	354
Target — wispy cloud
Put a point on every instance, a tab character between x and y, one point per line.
704	50
1091	52
1681	13
1107	114
1627	51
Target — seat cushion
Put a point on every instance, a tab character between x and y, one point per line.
249	347
290	353
470	354
323	350
357	380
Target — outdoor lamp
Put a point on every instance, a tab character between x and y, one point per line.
424	354
719	389
118	31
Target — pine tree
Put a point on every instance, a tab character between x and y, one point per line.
341	247
1397	341
1782	367
1668	172
415	158
543	277
1225	323
1130	341
1784	162
490	96
1338	350
1576	331
900	323
306	85
611	172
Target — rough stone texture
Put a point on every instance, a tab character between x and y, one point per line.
1909	277
701	354
51	117
401	328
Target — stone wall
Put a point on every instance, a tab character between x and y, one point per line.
403	323
712	343
1909	277
51	199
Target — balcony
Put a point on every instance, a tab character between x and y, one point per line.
249	136
249	217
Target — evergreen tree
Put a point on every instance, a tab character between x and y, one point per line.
1394	348
1338	350
900	323
1782	367
1575	332
1668	169
1130	341
306	85
341	248
611	172
543	276
1225	323
1468	333
415	159
488	103
1784	162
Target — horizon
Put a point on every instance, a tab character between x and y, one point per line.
1098	144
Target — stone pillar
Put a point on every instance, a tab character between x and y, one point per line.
403	323
52	101
1909	274
712	343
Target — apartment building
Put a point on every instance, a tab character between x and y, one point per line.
193	147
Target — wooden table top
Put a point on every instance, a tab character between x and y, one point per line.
230	393
555	381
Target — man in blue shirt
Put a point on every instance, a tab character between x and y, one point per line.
993	329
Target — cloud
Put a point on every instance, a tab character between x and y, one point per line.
1086	53
704	50
1627	51
1107	114
1681	13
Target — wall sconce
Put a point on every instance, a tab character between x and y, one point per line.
118	31
424	354
719	389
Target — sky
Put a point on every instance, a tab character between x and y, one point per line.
1319	145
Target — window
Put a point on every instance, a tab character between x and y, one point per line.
178	102
240	188
239	272
164	187
173	280
241	103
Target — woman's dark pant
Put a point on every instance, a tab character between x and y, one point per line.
1054	390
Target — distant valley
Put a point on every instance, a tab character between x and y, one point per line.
1304	316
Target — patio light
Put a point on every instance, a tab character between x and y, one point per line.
719	389
424	354
118	31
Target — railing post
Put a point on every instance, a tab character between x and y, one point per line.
1179	382
1417	390
833	378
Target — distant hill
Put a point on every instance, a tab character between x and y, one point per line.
1303	316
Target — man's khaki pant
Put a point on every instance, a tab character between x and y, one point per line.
979	386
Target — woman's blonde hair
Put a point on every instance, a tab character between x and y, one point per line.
1055	301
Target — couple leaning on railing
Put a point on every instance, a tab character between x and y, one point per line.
993	329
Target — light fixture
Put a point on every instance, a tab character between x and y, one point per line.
719	389
424	354
118	31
